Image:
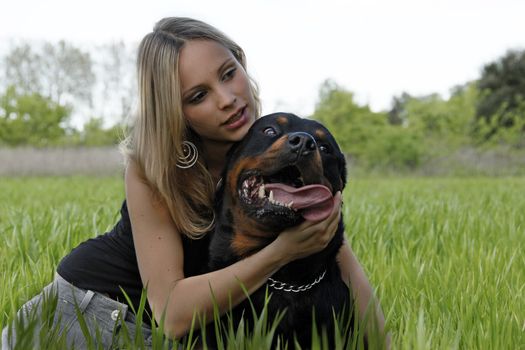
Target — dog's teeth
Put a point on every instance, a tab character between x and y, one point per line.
261	191
290	204
270	197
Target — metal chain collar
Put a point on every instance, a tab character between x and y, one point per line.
285	287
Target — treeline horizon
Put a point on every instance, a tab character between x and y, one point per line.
44	85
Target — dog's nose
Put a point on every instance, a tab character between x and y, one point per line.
301	143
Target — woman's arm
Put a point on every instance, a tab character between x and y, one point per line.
160	259
354	276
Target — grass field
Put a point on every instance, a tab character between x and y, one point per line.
446	256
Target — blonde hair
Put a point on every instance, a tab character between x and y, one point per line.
155	140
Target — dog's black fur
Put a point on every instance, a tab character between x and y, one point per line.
282	147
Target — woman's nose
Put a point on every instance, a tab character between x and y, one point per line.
226	98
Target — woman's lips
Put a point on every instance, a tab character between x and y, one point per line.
238	120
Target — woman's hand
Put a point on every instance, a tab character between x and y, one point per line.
309	237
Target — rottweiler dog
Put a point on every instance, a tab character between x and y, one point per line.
286	170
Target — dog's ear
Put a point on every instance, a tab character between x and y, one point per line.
341	160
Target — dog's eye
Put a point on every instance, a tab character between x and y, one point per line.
324	148
270	131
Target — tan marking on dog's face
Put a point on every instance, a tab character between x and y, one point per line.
243	245
267	160
249	235
282	120
320	134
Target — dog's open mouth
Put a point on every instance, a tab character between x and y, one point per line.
284	193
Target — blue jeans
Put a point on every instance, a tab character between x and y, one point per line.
101	314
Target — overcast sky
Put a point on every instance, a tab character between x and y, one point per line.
374	48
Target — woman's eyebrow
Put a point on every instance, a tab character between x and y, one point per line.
189	91
219	70
227	62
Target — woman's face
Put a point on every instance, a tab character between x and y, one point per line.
216	97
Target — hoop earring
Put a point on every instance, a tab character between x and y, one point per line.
189	157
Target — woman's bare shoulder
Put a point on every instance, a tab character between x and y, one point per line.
157	242
142	198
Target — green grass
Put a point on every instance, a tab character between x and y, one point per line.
446	256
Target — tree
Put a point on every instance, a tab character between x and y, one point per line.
352	125
443	124
116	78
93	134
502	85
62	73
30	119
397	115
22	69
364	135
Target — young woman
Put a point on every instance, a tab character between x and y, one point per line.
195	100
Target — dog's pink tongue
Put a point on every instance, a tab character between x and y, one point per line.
316	201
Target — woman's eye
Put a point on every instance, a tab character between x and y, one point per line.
229	74
197	97
269	131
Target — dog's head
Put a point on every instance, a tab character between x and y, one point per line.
286	170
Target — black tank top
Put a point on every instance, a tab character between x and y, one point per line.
108	262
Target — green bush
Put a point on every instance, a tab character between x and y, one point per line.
395	148
30	119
